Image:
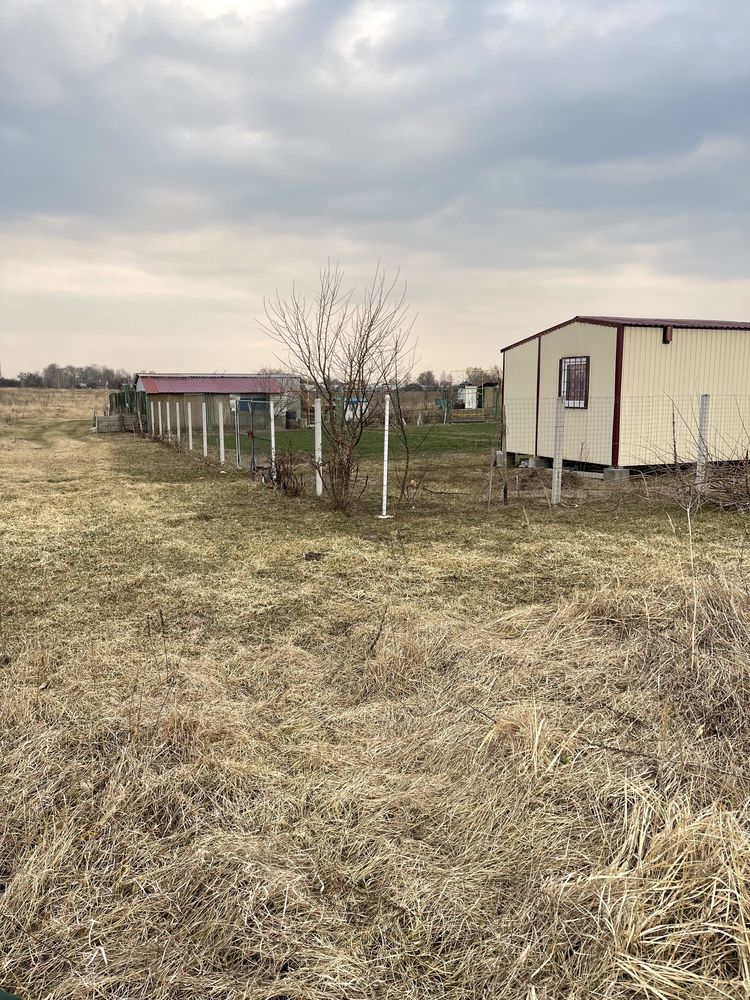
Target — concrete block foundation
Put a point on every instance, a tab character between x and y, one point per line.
615	473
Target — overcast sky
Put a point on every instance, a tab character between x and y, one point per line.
167	164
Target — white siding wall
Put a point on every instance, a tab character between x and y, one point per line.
588	433
519	374
662	381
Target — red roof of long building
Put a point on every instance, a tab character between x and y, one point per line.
677	324
235	384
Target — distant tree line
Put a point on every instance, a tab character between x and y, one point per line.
474	375
72	377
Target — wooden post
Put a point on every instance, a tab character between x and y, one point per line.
205	429
161	425
177	421
557	461
189	419
169	422
220	409
153	423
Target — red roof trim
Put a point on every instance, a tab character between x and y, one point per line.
615	321
219	384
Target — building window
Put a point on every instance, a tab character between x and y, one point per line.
574	382
666	335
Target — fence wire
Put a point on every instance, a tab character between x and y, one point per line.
643	432
695	435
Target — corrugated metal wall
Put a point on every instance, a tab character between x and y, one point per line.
196	399
661	387
519	382
588	433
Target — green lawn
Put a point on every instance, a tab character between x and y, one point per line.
431	439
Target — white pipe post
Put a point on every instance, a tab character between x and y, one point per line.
700	464
237	447
557	461
318	448
153	422
161	424
205	429
177	421
189	419
220	408
273	441
386	421
169	422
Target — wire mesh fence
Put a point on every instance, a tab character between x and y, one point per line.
634	432
701	441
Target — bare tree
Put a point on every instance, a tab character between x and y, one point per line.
477	375
350	352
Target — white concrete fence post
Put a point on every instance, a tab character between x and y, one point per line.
189	421
153	422
557	461
220	410
178	428
318	448
161	424
237	448
273	439
205	429
702	455
386	422
169	422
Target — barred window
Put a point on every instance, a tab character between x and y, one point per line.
574	382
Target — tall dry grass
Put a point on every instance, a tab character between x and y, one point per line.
391	772
45	405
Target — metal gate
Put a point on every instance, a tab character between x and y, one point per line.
252	434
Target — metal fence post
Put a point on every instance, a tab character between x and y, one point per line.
700	464
237	448
386	420
189	421
273	440
205	429
220	408
318	447
557	461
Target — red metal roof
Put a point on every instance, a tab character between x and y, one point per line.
678	324
235	384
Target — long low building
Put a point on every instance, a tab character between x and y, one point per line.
221	395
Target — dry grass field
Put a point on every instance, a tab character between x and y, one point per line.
252	749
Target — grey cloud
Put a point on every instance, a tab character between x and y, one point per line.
492	139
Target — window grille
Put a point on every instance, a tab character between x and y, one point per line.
574	382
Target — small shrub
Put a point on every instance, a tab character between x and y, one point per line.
288	477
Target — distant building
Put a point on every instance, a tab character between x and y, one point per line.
467	394
221	393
